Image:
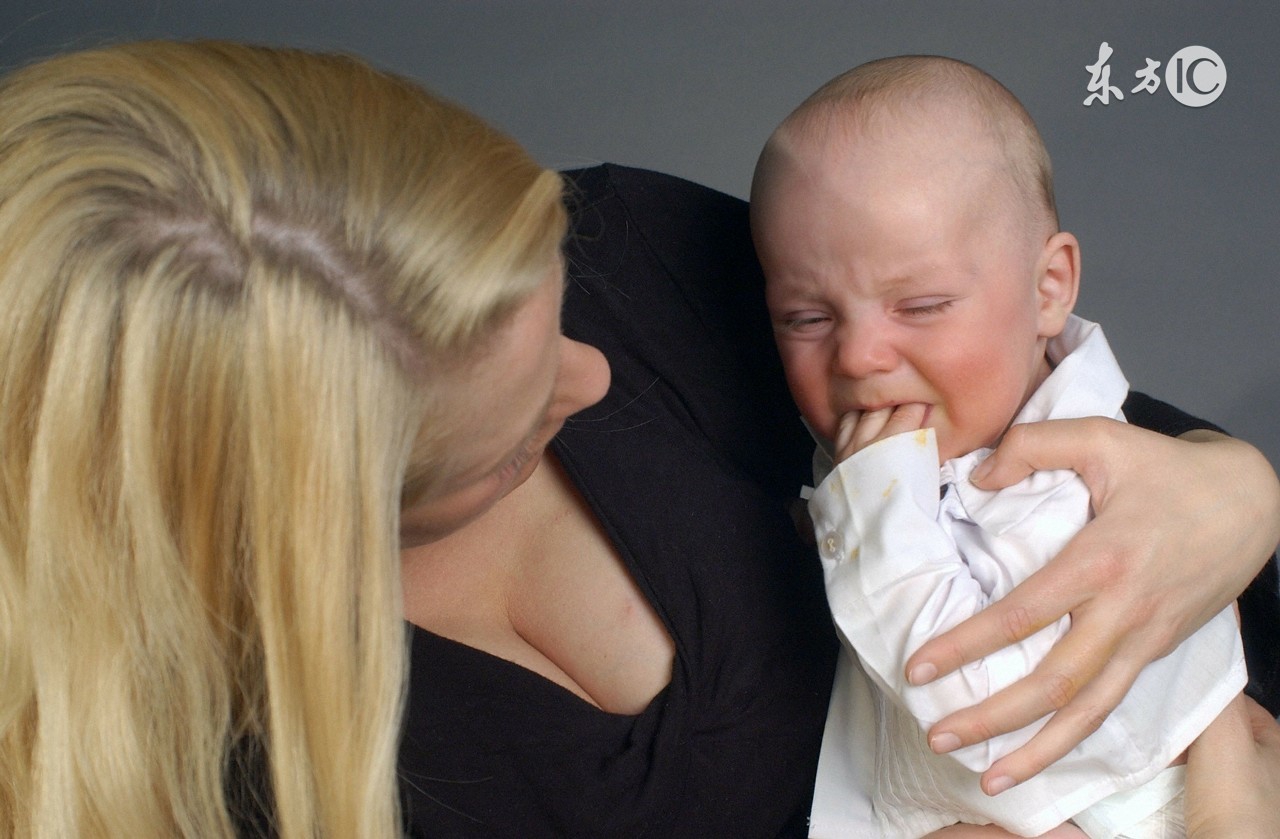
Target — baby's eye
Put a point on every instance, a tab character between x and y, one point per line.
925	307
801	321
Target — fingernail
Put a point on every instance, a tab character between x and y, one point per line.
922	674
845	432
999	785
943	743
981	471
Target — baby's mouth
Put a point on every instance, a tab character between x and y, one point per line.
864	409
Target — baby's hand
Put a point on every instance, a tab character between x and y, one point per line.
859	429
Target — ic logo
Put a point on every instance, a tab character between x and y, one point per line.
1195	76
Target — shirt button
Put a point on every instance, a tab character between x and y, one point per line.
830	546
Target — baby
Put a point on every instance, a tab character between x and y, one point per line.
921	294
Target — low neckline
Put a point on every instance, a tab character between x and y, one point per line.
548	686
562	472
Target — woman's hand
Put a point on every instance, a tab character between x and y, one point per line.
1182	526
1233	776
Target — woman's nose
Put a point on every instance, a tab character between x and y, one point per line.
584	377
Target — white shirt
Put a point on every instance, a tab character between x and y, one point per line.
903	565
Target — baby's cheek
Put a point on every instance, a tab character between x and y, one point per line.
979	410
811	397
821	419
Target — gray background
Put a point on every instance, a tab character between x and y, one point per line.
1176	207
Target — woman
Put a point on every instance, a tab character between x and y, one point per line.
244	296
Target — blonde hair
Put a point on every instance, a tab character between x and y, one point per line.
901	84
233	281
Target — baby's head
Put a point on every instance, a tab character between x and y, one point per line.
905	219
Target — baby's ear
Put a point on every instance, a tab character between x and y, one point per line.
1057	282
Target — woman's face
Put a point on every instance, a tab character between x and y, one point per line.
514	399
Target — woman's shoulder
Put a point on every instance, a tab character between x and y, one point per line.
663	278
698	237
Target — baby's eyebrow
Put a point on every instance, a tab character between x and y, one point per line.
924	277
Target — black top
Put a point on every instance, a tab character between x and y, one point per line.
688	463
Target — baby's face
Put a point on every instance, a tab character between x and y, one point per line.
898	278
